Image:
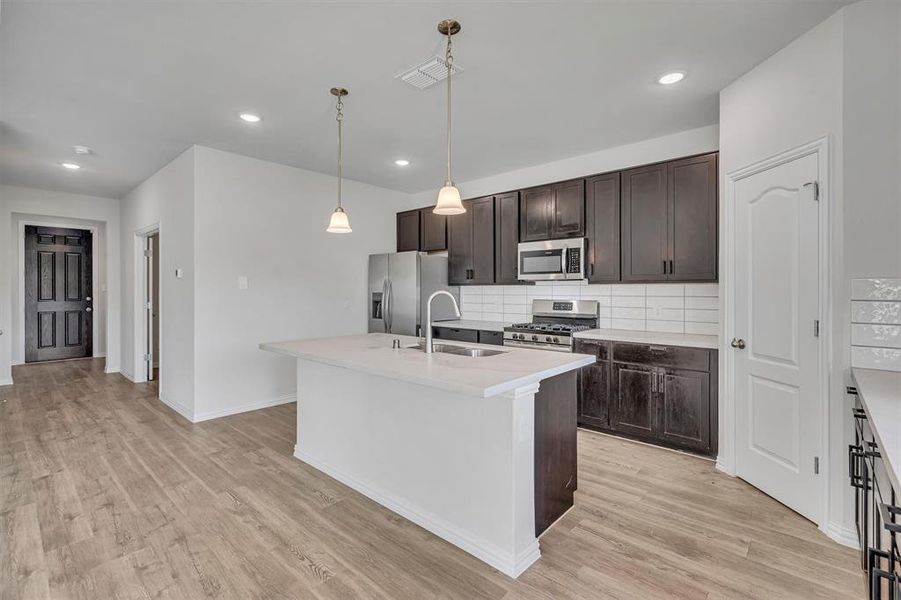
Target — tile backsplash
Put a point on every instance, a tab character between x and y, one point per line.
876	323
669	307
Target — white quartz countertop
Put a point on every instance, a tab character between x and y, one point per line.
472	324
482	376
690	340
880	396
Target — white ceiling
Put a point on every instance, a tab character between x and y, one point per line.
141	81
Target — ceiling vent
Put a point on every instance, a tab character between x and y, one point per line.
428	73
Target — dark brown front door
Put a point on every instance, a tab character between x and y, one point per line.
58	303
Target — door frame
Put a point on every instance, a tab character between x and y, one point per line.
141	322
726	459
95	278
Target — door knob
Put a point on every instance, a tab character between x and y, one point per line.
738	343
88	309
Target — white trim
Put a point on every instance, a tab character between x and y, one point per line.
504	562
234	410
846	536
726	458
6	381
181	409
61	223
128	376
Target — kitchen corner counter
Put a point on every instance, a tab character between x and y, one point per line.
497	326
880	396
688	340
482	376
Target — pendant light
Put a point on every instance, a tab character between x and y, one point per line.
449	201
339	222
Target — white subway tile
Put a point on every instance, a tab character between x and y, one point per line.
514	291
887	313
702	289
702	328
706	303
604	301
666	314
569	283
665	302
886	359
628	313
492	316
471	314
633	324
665	289
882	336
515	317
605	312
876	289
629	301
518	300
470	291
594	290
667	326
605	323
628	289
702	316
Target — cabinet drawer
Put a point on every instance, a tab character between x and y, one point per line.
696	359
495	338
597	348
459	335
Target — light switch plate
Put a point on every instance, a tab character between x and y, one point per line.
179	273
242	282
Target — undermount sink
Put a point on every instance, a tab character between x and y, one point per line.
461	350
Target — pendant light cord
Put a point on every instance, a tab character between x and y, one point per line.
340	118
449	60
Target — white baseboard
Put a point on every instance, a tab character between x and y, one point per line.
8	381
129	377
14	362
504	562
242	408
846	536
177	407
722	467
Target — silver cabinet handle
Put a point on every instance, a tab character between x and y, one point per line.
738	343
88	309
88	299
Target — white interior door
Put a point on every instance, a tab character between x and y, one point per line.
149	308
777	406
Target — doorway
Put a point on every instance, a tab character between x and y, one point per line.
777	371
152	305
58	293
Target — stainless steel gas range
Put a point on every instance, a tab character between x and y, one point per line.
553	324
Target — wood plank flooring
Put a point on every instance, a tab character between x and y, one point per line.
106	493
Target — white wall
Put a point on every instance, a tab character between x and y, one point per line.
18	205
839	80
684	143
267	222
167	199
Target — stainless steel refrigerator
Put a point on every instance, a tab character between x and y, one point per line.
399	286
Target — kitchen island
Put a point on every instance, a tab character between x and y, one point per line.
479	450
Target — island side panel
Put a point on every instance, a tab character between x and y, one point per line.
555	449
460	466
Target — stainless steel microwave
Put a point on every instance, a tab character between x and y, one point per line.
552	259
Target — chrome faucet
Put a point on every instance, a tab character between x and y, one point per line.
428	316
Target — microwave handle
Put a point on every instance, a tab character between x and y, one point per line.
563	262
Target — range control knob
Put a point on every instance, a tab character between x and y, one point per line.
556	340
548	339
534	338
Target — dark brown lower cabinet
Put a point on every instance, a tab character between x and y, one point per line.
662	395
458	334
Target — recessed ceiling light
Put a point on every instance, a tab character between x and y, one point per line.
402	162
250	118
671	78
70	165
82	150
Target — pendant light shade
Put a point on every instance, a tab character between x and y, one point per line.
449	201
339	223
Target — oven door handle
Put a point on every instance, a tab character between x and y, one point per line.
549	347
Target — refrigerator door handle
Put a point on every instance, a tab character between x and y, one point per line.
387	308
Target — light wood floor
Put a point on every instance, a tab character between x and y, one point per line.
106	493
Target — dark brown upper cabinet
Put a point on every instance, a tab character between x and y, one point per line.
432	230
603	228
506	238
553	211
470	248
693	219
669	221
644	224
408	230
